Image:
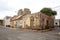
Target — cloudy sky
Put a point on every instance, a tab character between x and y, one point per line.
10	7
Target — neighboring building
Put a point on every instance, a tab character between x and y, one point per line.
57	22
7	21
37	20
1	22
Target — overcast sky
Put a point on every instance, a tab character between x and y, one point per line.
10	7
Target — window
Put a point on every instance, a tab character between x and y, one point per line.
43	19
56	23
47	22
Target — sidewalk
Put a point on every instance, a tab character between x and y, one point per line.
29	30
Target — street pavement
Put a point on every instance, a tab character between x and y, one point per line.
16	34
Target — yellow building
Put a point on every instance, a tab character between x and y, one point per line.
37	20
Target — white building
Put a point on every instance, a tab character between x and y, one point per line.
7	21
57	22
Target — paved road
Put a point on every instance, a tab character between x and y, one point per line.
12	34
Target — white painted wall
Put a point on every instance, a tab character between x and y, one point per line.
56	21
6	21
18	23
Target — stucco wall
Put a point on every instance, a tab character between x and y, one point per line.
6	21
56	22
26	21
